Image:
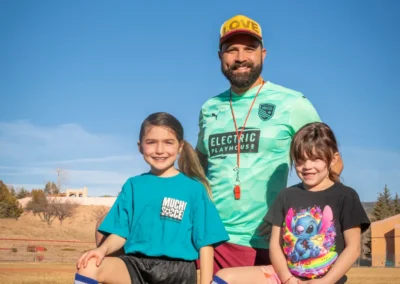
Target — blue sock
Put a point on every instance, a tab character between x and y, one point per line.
217	280
80	279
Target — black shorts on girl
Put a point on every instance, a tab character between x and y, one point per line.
148	270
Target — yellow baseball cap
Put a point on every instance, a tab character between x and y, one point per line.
239	24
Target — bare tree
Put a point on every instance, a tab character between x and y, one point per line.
100	212
49	209
65	210
40	206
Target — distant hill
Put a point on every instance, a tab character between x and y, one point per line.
368	206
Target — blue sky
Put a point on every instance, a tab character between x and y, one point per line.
78	77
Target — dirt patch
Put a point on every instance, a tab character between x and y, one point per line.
33	273
36	270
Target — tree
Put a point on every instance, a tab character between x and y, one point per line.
9	206
64	210
366	244
100	212
40	206
22	193
383	207
51	188
12	190
49	209
396	204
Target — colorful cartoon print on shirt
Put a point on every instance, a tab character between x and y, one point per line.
309	241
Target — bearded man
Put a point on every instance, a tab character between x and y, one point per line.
244	140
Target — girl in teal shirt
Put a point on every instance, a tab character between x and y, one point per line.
165	219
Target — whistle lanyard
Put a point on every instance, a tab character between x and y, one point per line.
236	189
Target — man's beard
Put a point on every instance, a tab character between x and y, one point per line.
243	80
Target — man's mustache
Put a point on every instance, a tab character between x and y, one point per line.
242	64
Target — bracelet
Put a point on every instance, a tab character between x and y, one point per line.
288	279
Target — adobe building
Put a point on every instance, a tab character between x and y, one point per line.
385	242
82	192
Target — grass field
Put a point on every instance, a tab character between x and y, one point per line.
35	273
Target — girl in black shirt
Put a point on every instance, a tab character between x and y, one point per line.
316	225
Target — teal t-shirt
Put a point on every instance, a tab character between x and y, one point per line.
277	114
172	217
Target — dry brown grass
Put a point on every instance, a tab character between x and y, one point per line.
81	227
369	275
34	273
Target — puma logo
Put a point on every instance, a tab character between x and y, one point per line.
215	115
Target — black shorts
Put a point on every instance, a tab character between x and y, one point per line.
149	270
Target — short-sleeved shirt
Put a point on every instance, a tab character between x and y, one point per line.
165	216
312	225
277	114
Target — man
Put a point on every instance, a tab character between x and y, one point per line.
244	140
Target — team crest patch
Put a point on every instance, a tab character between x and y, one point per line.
266	111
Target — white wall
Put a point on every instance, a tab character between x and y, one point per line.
105	201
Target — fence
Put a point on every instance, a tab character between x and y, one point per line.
16	250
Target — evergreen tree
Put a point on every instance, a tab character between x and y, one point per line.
51	188
383	207
366	244
396	204
12	190
9	206
22	193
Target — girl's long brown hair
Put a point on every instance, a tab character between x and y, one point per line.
188	161
315	140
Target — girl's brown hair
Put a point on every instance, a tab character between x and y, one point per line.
188	161
315	140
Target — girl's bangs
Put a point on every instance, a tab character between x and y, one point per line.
310	150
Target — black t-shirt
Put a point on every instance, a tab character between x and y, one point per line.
312	225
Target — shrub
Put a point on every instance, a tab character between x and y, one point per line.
31	248
68	249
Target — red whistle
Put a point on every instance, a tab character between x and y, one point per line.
236	191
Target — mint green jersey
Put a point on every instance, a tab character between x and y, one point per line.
277	114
